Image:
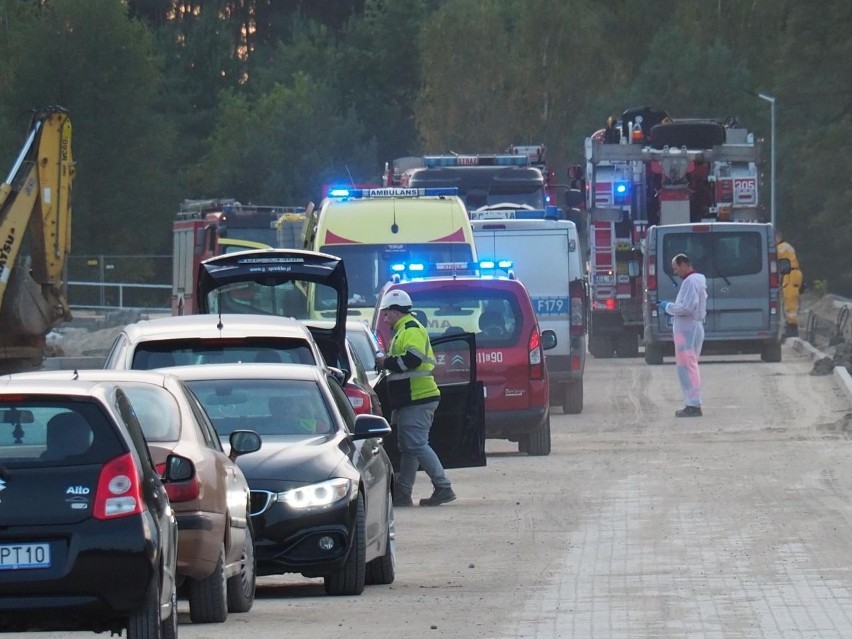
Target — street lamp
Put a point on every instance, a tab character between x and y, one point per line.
771	101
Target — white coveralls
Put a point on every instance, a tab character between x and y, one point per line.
689	310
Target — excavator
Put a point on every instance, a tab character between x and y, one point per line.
35	240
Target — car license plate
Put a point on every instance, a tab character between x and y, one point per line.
20	556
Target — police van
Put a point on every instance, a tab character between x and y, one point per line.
739	260
380	231
546	257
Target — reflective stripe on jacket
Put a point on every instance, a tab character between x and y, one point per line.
410	362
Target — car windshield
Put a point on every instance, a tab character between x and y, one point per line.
370	266
493	314
271	407
157	412
187	352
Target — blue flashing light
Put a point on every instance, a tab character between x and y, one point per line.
621	188
340	192
488	265
416	267
397	268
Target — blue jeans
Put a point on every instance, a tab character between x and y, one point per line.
413	424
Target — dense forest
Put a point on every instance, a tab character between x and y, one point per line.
266	100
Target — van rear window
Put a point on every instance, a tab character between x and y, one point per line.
725	255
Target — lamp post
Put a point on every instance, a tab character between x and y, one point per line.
771	101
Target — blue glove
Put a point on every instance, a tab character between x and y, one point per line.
662	304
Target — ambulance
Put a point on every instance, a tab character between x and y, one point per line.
382	231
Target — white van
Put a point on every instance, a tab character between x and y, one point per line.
546	258
739	260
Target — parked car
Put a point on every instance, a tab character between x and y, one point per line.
509	348
215	557
212	339
360	384
366	345
322	484
313	286
88	539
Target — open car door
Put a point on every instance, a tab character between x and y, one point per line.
304	285
458	429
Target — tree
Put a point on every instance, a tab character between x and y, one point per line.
102	67
280	148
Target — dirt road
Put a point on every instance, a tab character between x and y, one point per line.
736	524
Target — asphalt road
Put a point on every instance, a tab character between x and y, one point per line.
638	525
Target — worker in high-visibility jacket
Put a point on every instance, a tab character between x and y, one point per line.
791	285
414	397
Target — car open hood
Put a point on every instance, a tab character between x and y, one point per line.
276	267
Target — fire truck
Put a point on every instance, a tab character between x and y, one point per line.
484	182
651	169
205	228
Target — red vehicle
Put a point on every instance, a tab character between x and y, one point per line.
649	169
509	349
206	228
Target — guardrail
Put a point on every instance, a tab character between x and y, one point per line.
111	296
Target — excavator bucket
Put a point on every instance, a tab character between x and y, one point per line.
25	309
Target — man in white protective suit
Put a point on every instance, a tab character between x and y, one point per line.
688	310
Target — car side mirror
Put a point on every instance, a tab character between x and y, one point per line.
243	442
548	339
784	266
368	426
178	469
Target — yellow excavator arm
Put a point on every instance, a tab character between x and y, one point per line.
35	215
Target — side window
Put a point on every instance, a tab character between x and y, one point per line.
211	437
116	352
342	403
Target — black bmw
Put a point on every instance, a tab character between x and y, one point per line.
321	485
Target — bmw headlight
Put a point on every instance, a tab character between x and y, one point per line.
316	495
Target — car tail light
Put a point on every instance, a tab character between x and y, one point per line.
180	491
611	304
360	399
119	492
773	268
535	354
577	292
651	276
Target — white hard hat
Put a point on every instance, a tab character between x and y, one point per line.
396	297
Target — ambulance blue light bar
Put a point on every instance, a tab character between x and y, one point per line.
431	161
345	193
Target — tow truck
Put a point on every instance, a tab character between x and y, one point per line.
35	231
651	169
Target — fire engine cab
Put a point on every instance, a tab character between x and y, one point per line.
650	169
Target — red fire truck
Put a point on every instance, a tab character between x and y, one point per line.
651	169
204	228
